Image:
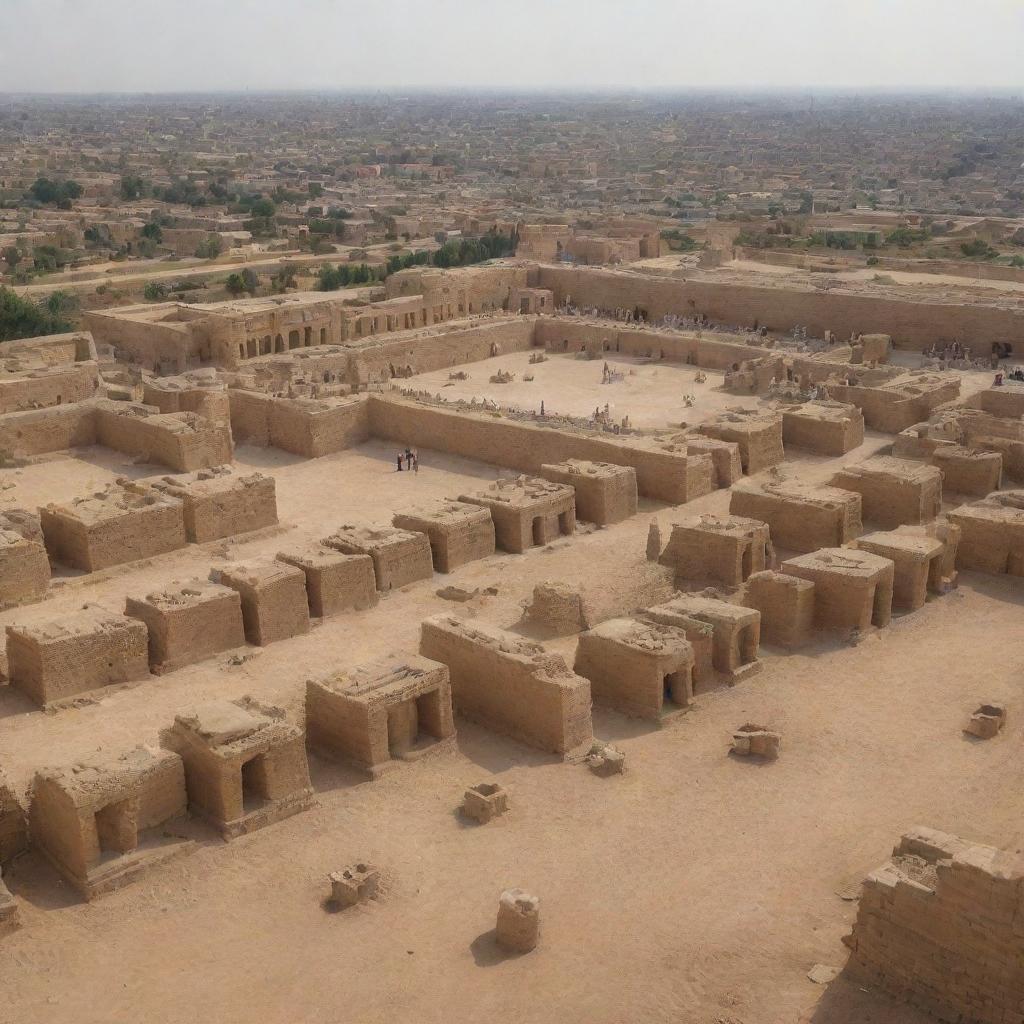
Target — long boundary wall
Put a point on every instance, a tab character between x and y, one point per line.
913	325
669	476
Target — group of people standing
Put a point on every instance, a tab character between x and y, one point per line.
408	460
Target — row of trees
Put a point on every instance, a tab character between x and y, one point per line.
23	318
455	253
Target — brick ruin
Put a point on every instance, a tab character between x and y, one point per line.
100	823
245	765
399	557
24	566
938	926
188	623
76	653
719	549
893	491
511	685
605	493
111	528
458	532
641	649
635	667
800	516
395	708
527	512
273	599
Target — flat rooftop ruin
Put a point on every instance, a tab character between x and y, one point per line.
527	512
396	708
245	765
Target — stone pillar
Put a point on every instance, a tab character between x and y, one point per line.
518	920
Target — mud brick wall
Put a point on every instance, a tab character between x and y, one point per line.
125	535
827	517
196	622
821	435
939	926
511	686
59	659
570	335
48	430
24	567
224	506
376	357
302	427
912	325
666	476
49	387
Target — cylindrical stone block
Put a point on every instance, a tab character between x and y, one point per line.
518	920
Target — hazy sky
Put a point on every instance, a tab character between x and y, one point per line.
191	45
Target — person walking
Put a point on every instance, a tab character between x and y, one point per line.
398	458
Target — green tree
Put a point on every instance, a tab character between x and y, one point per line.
132	186
23	318
153	231
210	248
234	284
12	256
154	291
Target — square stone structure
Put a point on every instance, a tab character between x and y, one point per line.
527	511
220	503
735	630
852	589
636	667
335	582
24	565
245	765
189	623
723	549
394	708
457	532
512	686
786	604
76	653
826	428
800	516
758	434
400	557
102	822
605	493
699	634
992	533
484	802
918	562
724	455
965	471
112	528
893	491
274	602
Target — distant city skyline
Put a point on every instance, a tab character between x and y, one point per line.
90	46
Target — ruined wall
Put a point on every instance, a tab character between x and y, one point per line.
939	927
511	685
301	426
562	334
667	476
55	386
913	325
376	358
48	430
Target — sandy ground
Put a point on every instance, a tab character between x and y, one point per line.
651	394
695	889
